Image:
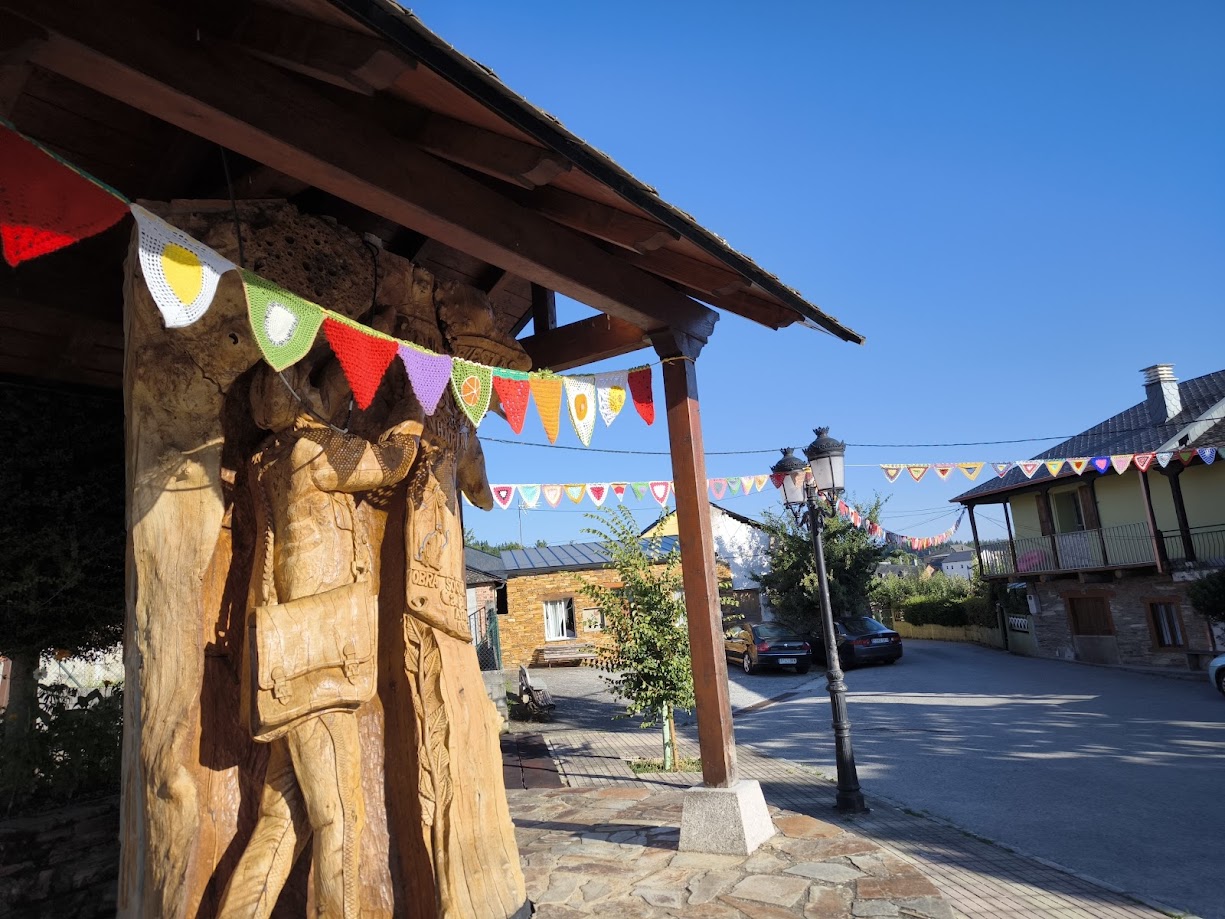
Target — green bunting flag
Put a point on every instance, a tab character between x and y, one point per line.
284	324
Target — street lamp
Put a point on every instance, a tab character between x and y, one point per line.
820	489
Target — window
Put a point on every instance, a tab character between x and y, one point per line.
559	619
593	619
1166	624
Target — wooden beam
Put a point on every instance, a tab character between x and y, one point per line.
544	309
515	161
1159	556
699	275
716	739
638	234
1012	545
254	109
593	339
324	52
1173	475
978	549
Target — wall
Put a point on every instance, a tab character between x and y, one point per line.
522	628
972	633
1118	499
1203	493
745	548
1024	511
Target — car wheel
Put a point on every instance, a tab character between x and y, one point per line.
1220	680
747	664
803	668
892	660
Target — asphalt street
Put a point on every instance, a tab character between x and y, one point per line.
1115	775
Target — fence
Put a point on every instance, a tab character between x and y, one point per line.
1207	544
1124	546
483	624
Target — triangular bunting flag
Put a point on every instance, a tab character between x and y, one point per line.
580	400
942	471
547	393
284	325
718	488
1164	457
1001	469
640	489
917	472
1101	464
575	491
891	472
502	495
428	374
640	389
597	494
1078	464
760	481
1186	457
181	273
513	394
746	484
611	391
777	479
733	485
1054	467
529	495
552	494
1028	467
1120	462
45	204
660	492
1144	460
364	355
472	386
970	470
619	490
1207	454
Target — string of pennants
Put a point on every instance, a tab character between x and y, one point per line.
46	203
1119	462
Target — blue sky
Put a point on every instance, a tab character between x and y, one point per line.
1019	205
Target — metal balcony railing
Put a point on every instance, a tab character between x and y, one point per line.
1125	546
1207	547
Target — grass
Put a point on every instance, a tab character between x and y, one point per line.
683	764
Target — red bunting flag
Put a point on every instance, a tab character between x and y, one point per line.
513	397
1144	460
45	204
502	495
364	355
640	392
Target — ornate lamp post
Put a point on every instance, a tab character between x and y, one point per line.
815	494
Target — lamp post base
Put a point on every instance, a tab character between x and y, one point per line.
851	802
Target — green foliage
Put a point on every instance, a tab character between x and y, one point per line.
980	610
495	548
1207	596
791	584
644	620
920	610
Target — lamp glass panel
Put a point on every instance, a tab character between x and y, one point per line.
793	489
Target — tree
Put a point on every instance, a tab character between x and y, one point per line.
791	584
62	537
644	618
1207	596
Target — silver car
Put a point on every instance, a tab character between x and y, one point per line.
1216	672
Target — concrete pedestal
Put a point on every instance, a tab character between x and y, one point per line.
725	821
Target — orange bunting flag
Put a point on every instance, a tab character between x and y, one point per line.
917	472
942	471
1054	467
970	470
1079	464
547	392
760	481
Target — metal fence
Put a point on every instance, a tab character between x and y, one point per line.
1207	544
1120	546
483	623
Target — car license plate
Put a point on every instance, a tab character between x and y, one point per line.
880	641
786	660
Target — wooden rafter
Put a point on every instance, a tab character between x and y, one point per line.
306	136
522	164
595	338
638	234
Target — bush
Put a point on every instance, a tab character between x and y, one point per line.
934	611
980	611
1207	595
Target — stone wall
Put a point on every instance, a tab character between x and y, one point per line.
61	863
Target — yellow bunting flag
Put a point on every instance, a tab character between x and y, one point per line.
181	273
547	393
970	470
917	472
1054	467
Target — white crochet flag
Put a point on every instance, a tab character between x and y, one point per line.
181	273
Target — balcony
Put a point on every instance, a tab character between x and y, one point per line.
1108	548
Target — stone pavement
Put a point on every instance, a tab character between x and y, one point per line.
976	878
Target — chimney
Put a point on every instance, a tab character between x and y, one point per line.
1161	393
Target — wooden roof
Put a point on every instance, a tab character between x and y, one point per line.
353	109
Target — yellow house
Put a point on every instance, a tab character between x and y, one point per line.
1104	554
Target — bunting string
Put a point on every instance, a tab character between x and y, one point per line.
1076	465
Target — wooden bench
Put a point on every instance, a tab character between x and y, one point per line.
565	654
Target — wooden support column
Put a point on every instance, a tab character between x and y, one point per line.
1173	474
1046	520
715	737
978	549
1159	555
1012	545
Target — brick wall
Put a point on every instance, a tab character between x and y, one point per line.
1128	601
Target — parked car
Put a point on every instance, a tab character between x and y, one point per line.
767	644
863	640
1216	672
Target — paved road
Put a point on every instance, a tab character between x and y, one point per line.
1115	775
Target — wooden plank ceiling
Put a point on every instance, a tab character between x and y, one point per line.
315	107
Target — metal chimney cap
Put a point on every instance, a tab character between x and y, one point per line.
1159	373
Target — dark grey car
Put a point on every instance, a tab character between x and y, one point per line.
767	644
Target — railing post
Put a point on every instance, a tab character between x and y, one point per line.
1159	556
1172	474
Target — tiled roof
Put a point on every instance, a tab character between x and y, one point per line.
481	567
570	557
963	556
1129	431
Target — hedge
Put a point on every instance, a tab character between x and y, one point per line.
932	611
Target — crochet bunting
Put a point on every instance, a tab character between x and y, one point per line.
760	481
1028	468
1079	464
472	386
529	495
970	470
1164	457
733	485
547	393
1101	464
1144	460
284	325
428	374
503	495
610	388
777	479
640	489
1120	462
45	204
181	273
1054	467
718	488
1001	469
597	493
746	483
660	492
552	494
575	491
640	389
942	471
891	471
619	490
1207	454
580	401
513	394
1186	457
917	472
363	353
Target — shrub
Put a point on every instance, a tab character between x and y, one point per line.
933	611
980	611
1207	595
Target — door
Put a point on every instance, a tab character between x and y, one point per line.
1092	630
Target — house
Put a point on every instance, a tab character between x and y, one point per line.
484	576
548	619
957	565
1104	557
744	544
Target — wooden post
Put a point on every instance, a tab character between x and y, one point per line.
978	549
1172	474
1012	546
715	737
1163	564
1046	520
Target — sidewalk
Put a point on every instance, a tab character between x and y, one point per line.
977	878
